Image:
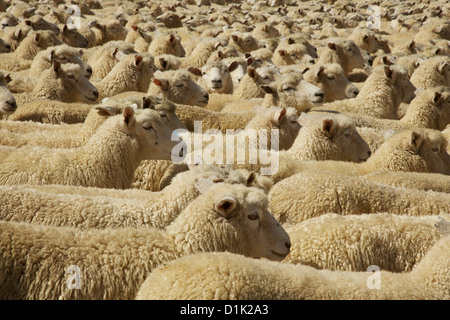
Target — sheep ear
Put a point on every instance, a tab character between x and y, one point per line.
249	61
134	27
331	45
282	52
163	63
412	45
172	38
147	103
388	72
251	178
437	96
225	206
416	141
195	71
319	71
291	41
128	116
252	72
118	54
442	65
56	66
328	127
8	78
64	28
235	37
137	60
37	37
163	83
268	89
18	33
50	56
28	22
278	117
233	66
106	111
203	184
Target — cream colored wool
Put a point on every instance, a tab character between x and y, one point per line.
430	109
432	72
292	54
328	137
8	103
103	59
14	35
108	30
224	218
201	52
391	242
61	82
227	276
61	206
169	43
166	62
140	39
132	73
107	160
310	194
22	57
380	95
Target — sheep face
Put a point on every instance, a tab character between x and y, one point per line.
404	89
65	54
77	86
365	39
237	219
4	46
178	86
7	102
45	39
37	22
170	20
216	76
166	111
246	42
153	136
331	79
349	54
73	38
433	149
293	54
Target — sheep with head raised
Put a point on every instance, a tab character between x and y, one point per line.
72	37
5	47
62	82
292	54
140	39
215	76
328	137
170	20
37	22
229	276
394	243
231	218
166	62
344	52
108	30
380	96
245	42
131	137
432	72
8	103
331	79
315	193
365	39
202	52
15	35
177	86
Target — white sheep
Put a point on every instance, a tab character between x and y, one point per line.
177	86
231	218
215	76
380	96
166	44
292	54
392	242
8	103
328	137
245	42
131	137
4	46
432	72
62	82
229	276
72	37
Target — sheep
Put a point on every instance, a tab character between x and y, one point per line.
344	52
293	199
26	51
15	35
215	76
72	37
429	109
103	60
166	62
37	22
8	103
332	137
166	44
433	72
138	38
392	242
25	80
132	137
231	218
245	42
132	208
365	39
331	79
177	86
292	54
290	90
132	73
62	82
261	58
202	52
229	276
108	30
410	62
170	20
380	96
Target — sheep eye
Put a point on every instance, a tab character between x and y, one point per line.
147	127
265	78
180	85
289	89
162	114
70	76
330	78
435	149
253	216
348	49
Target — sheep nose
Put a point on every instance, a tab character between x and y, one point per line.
319	94
89	70
217	81
206	96
288	245
8	47
95	93
355	93
369	153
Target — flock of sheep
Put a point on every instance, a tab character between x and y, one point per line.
92	94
